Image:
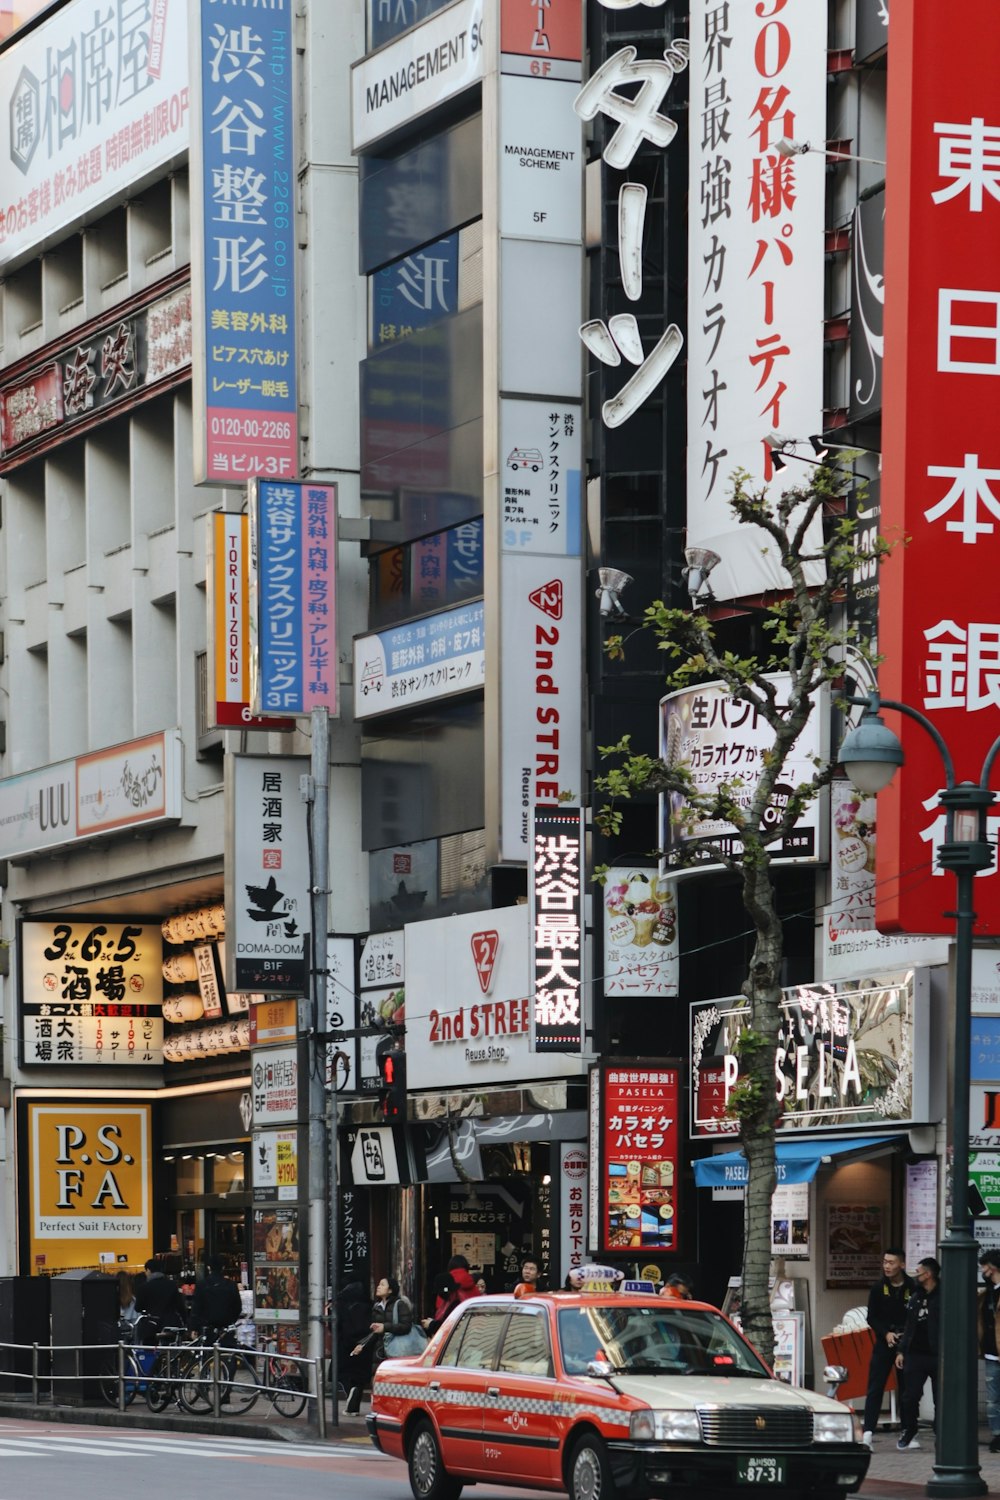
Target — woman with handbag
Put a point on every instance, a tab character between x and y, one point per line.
392	1327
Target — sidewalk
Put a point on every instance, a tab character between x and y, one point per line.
904	1474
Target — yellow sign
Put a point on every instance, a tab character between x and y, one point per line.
275	1021
90	1180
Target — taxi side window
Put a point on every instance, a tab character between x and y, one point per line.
474	1342
526	1346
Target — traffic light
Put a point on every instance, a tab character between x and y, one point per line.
391	1059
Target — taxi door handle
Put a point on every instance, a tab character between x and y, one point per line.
493	1390
435	1385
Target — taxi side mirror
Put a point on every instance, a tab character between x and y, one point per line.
600	1369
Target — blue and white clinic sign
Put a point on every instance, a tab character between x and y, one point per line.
242	272
415	291
293	602
985	1056
435	657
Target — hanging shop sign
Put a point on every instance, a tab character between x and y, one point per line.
541	448
243	243
343	1014
274	1021
421	70
229	611
429	659
267	873
89	109
89	1184
275	1083
641	938
755	336
276	1265
637	1170
373	1158
986	982
275	1165
555	900
851	1055
722	743
543	41
941	446
91	993
138	783
293	597
382	999
574	1167
457	1029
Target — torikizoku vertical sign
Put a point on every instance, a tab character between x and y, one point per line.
243	164
293	597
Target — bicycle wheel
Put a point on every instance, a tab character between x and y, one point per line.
158	1385
240	1386
287	1393
194	1384
107	1381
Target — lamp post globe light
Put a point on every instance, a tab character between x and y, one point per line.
870	755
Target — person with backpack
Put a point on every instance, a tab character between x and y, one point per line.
217	1301
454	1286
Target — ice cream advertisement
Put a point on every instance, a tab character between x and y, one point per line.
641	944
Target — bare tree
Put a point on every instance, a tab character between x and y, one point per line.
807	639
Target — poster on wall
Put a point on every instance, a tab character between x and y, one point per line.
641	937
638	1169
921	1210
790	1220
854	1244
89	1184
275	1165
276	1264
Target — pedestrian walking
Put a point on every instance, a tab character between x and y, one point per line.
454	1286
887	1304
678	1288
988	1317
918	1348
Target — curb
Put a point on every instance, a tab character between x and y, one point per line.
280	1430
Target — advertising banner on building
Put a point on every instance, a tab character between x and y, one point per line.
382	999
641	937
91	993
851	941
267	874
541	447
556	872
468	1012
276	1265
574	1165
852	1055
941	452
986	982
541	41
755	335
243	176
93	103
293	597
138	783
638	1170
275	1165
722	743
342	1014
424	68
89	1184
79	382
429	659
275	1082
228	705
541	703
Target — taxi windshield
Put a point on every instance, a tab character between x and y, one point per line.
654	1341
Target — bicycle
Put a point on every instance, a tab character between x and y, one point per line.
119	1383
171	1368
222	1365
284	1385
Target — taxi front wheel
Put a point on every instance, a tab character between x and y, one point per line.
429	1479
588	1473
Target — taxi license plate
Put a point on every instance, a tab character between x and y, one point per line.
754	1469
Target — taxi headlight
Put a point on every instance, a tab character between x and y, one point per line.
665	1427
833	1427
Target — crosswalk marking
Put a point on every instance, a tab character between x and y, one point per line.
129	1444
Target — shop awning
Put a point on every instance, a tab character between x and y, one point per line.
797	1161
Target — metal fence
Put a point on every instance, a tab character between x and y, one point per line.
203	1379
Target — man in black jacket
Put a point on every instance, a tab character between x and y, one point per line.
887	1302
918	1348
217	1301
159	1298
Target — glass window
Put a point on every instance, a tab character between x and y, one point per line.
526	1346
480	1335
648	1340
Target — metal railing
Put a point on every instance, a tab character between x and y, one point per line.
38	1370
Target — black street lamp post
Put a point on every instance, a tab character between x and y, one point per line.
870	754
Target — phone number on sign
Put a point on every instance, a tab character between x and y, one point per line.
250	427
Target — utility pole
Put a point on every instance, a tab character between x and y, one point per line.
323	1248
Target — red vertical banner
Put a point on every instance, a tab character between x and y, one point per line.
939	619
639	1168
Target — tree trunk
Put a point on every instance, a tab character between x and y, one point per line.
758	1109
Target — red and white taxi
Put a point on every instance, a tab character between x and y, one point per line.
606	1394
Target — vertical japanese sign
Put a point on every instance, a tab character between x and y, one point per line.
243	252
293	600
555	900
228	703
755	246
573	1173
941	450
638	1169
267	874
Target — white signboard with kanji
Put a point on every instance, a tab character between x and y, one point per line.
275	1085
